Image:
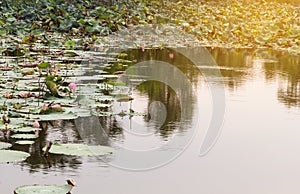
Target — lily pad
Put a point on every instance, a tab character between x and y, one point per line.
43	189
57	116
24	142
25	129
7	156
24	136
4	145
79	149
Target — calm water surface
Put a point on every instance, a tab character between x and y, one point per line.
257	151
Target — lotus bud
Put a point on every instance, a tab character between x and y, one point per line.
36	124
72	86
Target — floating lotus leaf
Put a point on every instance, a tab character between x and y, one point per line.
80	112
102	113
24	136
24	142
25	129
87	78
79	149
105	98
4	145
7	156
57	116
100	105
110	76
10	126
43	189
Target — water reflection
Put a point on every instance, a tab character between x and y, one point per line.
55	131
276	66
155	91
238	66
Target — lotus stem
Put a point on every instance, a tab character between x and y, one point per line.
45	154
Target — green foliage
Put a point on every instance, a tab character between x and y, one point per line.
72	16
229	23
238	23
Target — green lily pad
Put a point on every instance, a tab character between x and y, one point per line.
10	126
4	145
57	116
79	149
101	105
24	136
7	156
24	142
25	129
43	189
109	76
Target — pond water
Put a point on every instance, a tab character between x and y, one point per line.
256	151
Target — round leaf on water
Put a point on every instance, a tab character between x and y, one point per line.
10	126
25	129
57	116
43	189
24	142
4	145
24	136
79	149
12	156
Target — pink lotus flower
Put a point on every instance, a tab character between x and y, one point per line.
52	63
125	8
23	94
45	107
143	48
8	95
36	124
72	86
171	55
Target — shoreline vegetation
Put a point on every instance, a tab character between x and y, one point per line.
214	23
